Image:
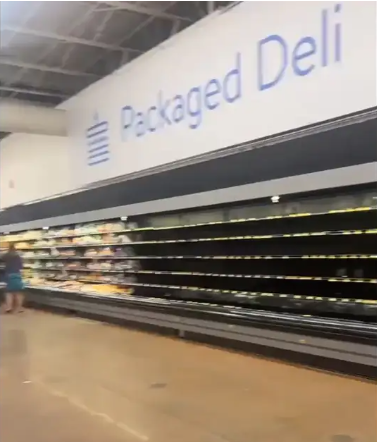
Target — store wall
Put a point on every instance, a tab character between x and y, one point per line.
33	167
259	69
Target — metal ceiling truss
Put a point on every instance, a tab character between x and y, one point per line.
18	76
39	67
44	68
67	39
20	90
134	31
115	54
26	18
152	12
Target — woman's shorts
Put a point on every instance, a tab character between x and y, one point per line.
14	283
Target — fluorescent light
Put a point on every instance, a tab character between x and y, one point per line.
275	199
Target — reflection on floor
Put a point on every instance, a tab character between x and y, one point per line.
74	380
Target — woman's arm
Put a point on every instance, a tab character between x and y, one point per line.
20	262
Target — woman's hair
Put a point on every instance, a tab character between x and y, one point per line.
11	248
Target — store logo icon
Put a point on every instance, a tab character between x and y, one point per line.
97	141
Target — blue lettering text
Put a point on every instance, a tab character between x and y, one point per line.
275	54
128	115
189	107
278	58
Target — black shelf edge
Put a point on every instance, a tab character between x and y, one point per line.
354	210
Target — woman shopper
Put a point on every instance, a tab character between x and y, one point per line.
14	297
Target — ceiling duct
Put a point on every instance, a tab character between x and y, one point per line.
23	117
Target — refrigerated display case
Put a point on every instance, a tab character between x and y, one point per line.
304	265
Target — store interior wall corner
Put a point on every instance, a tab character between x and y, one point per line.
23	117
34	167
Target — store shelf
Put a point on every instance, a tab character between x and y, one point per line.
213	307
78	257
48	235
215	275
262	237
243	257
309	263
193	257
210	239
351	308
51	269
233	292
260	219
253	294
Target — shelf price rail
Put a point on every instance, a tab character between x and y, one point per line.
200	257
237	293
351	308
288	277
215	307
212	239
218	275
340	307
357	210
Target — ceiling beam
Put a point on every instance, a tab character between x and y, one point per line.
66	38
43	68
20	90
140	9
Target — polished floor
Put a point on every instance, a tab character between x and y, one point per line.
74	380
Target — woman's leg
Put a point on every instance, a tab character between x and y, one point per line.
20	298
9	301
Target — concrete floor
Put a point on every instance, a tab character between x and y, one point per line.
73	380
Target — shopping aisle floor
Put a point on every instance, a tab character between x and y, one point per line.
74	380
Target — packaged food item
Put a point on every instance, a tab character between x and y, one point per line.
73	265
45	243
51	264
65	241
28	254
55	252
23	245
106	251
106	265
109	238
91	252
30	235
124	251
124	239
117	226
64	252
38	254
60	232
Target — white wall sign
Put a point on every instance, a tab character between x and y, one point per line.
259	69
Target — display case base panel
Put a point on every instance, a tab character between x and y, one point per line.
314	347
